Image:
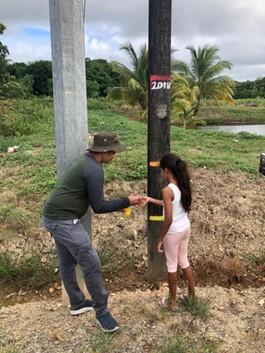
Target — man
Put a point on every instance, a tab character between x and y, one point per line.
82	187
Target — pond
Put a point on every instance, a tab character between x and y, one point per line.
258	129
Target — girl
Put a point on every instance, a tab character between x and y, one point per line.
175	231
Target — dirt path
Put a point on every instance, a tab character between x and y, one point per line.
236	324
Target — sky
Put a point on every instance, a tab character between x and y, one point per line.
236	27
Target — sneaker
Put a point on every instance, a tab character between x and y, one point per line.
87	305
107	323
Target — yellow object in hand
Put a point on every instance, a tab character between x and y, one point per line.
127	211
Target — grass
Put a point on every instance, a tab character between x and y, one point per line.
243	112
113	257
8	349
101	342
255	259
198	307
15	217
30	173
187	345
28	269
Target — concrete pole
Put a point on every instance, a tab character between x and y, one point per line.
69	84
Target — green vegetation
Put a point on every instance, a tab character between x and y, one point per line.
256	259
246	111
8	348
205	74
188	345
133	88
114	258
184	101
27	269
196	306
101	342
250	89
3	57
100	77
28	175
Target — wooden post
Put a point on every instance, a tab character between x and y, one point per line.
158	121
262	164
69	87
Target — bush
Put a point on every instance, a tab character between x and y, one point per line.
23	117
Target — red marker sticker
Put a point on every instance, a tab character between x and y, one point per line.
160	82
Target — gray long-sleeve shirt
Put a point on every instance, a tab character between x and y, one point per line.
81	187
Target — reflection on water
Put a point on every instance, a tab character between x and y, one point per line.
258	129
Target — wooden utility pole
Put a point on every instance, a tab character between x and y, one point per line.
262	164
158	121
69	83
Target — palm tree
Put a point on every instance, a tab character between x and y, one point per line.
205	72
133	87
184	102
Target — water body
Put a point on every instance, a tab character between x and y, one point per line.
258	129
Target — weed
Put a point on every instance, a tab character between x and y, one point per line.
255	259
113	257
14	217
185	345
196	306
8	347
153	315
28	269
101	342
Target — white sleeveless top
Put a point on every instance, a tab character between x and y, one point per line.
180	220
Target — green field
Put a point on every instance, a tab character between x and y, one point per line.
245	111
35	160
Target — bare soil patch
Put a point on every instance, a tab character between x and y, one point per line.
226	251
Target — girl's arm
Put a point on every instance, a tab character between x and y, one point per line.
154	201
167	201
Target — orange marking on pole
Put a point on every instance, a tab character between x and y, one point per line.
154	164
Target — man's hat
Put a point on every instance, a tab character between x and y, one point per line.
106	142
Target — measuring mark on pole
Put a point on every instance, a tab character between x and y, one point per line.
156	218
158	82
154	164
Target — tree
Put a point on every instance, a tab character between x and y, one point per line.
100	77
205	72
133	85
3	61
41	72
18	70
184	102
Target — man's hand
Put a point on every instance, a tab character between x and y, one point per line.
136	200
144	200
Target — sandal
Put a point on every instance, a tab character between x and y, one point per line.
163	303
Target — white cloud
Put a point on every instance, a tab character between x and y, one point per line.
236	27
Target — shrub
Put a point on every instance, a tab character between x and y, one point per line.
23	117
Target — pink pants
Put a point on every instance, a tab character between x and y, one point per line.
176	250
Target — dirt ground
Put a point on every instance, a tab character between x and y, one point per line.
226	251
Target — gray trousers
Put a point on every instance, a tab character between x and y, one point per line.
74	247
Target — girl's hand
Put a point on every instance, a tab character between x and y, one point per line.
159	246
145	200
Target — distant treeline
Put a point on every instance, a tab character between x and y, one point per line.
250	89
100	77
36	77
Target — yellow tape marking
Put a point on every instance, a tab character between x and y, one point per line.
154	164
156	218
